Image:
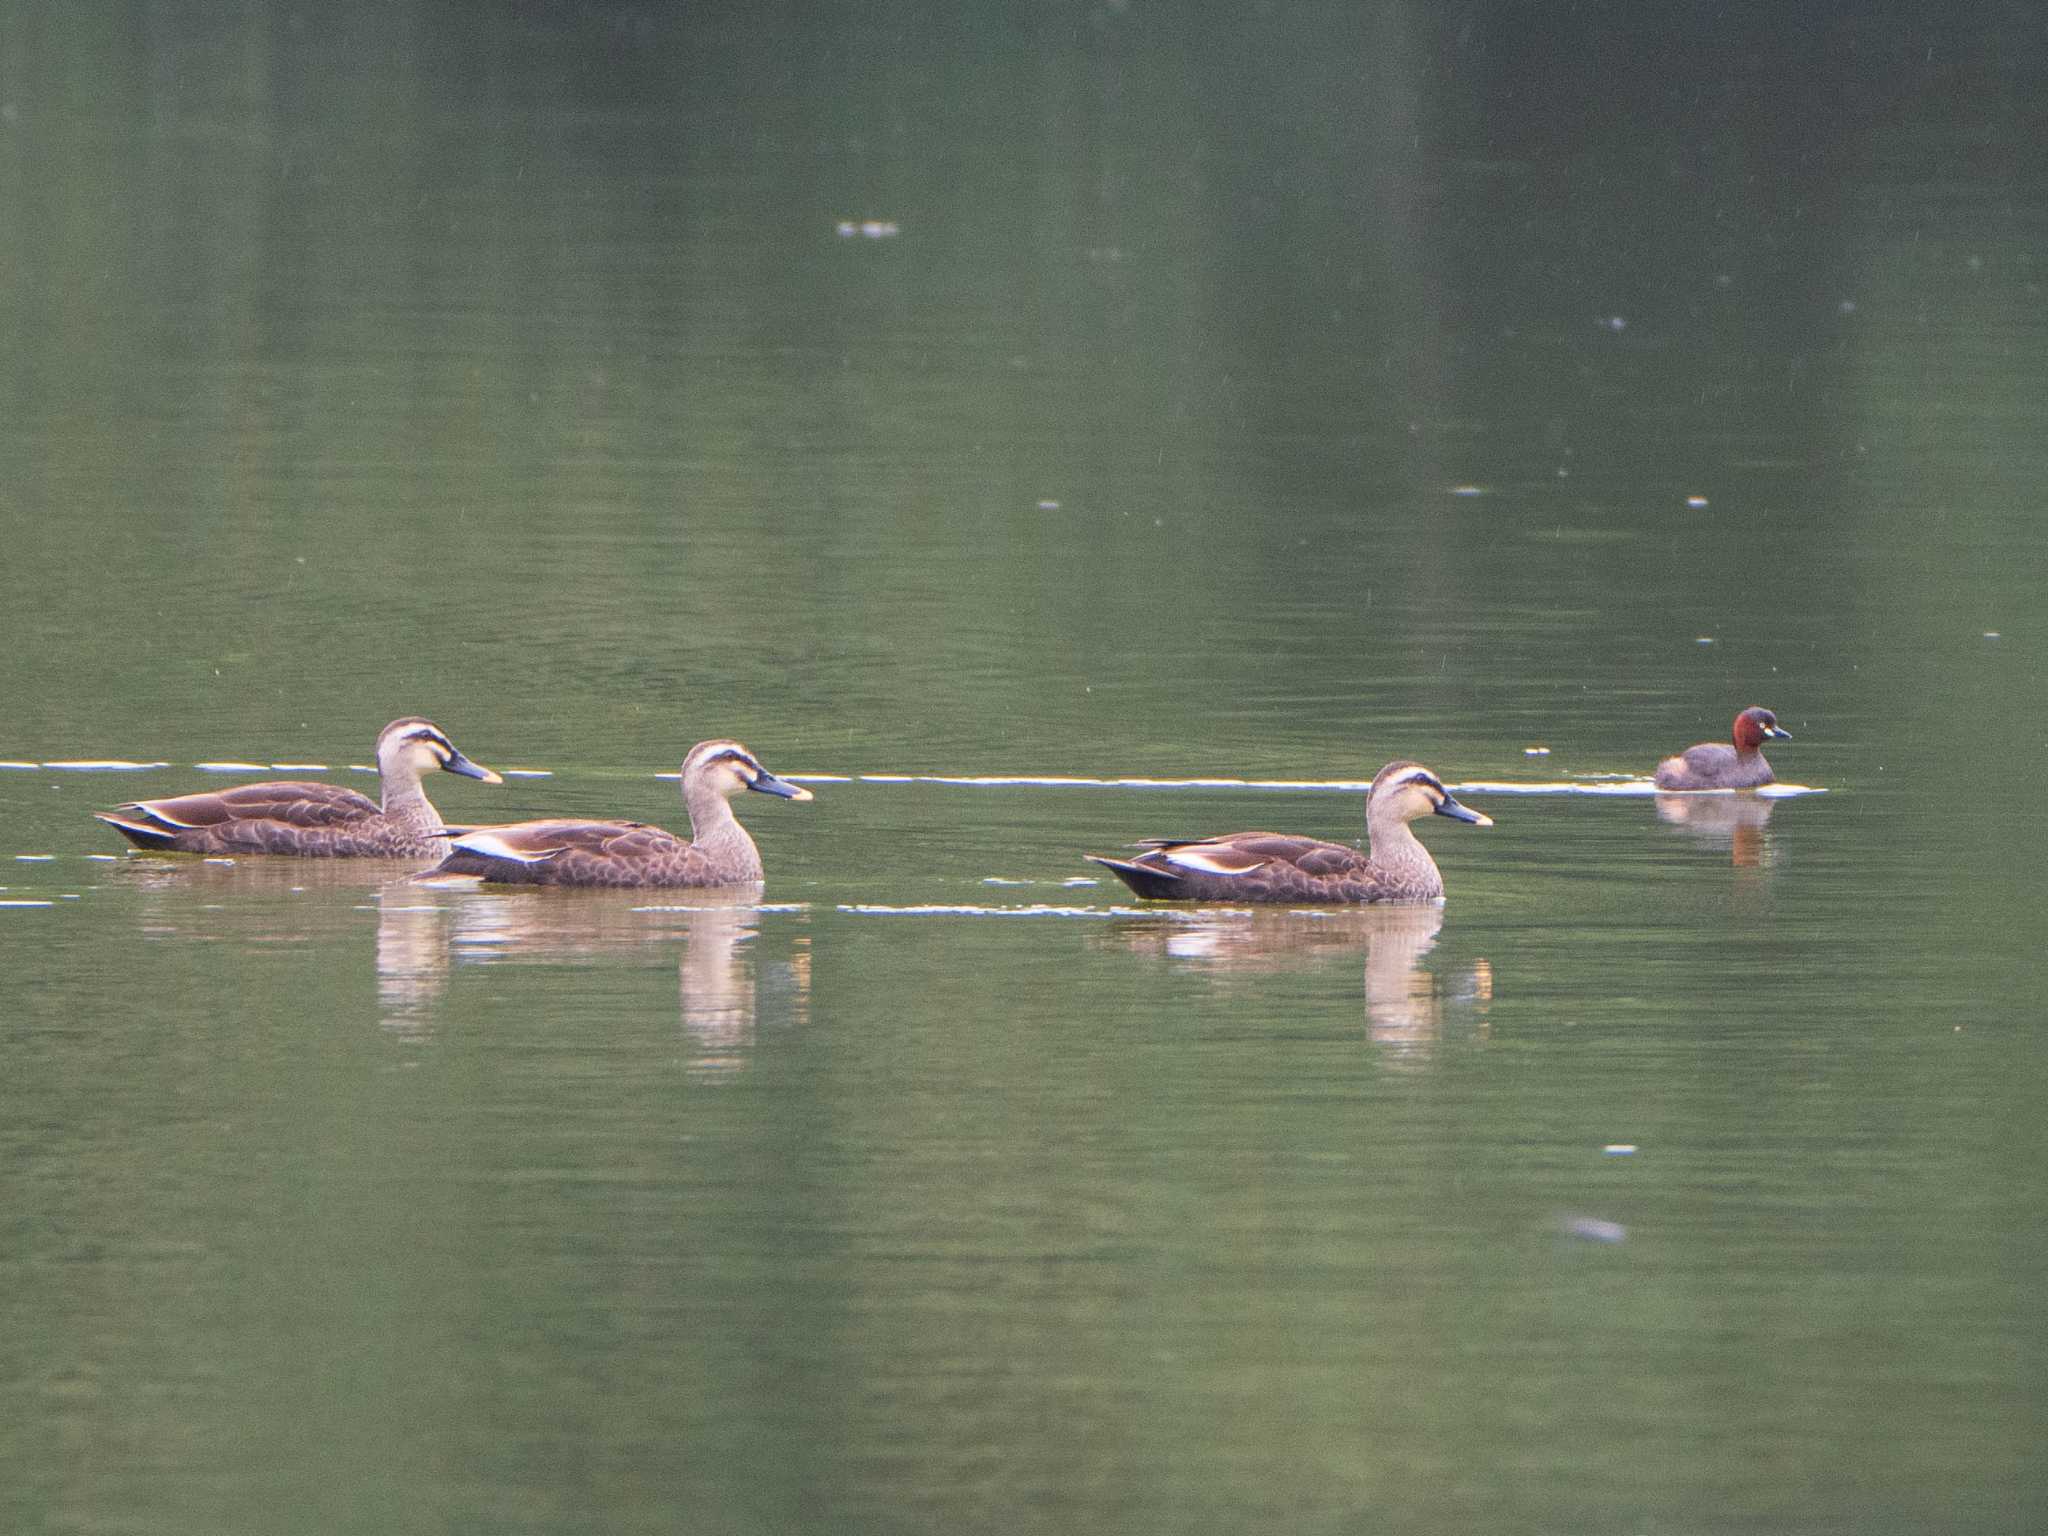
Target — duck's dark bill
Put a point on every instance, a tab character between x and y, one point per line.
768	784
462	765
1458	812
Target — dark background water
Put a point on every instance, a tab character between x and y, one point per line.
1077	390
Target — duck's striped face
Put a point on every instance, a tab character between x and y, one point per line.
1415	792
730	768
420	747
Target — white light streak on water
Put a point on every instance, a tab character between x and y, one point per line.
766	906
1037	909
1588	784
794	778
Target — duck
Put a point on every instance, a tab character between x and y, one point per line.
310	819
1280	867
1717	765
718	851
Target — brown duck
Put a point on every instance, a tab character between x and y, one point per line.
1274	866
632	853
312	820
1717	765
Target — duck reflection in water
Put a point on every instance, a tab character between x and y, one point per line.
1405	1004
718	980
1733	821
412	959
265	902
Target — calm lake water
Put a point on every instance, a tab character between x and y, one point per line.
947	406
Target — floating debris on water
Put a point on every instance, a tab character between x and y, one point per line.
1604	785
1591	1229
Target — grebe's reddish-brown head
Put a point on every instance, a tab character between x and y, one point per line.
1755	726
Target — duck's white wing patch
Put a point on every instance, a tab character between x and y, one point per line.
492	845
1212	859
152	810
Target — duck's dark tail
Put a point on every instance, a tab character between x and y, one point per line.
1156	884
140	833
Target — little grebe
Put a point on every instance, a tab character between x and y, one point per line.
1717	765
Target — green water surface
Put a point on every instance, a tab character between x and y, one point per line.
934	396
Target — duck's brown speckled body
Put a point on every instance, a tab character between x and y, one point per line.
308	819
1279	867
1717	765
632	853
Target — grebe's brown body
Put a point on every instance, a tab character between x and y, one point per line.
1717	765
